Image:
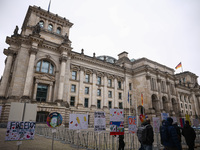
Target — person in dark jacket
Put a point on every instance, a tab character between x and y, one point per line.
148	144
189	134
178	130
121	142
171	142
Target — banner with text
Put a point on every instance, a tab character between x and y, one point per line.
132	124
99	121
20	131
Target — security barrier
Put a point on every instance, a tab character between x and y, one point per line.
91	140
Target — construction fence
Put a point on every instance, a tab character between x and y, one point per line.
91	140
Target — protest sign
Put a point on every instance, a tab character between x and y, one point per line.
78	121
116	122
99	121
19	130
132	126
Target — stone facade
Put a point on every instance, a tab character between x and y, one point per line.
41	68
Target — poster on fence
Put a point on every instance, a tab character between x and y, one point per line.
17	130
116	122
174	119
156	124
196	122
132	124
164	116
99	121
78	121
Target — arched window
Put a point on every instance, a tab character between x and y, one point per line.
58	31
45	67
41	23
50	27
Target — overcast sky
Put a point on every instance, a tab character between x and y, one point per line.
165	31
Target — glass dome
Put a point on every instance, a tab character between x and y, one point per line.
108	59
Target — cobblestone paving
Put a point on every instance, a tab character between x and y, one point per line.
39	143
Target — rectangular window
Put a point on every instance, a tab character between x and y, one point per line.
120	105
119	85
87	78
73	88
110	94
130	98
41	92
109	83
190	106
153	84
130	86
98	92
86	102
99	104
74	75
72	101
110	104
99	80
86	90
120	95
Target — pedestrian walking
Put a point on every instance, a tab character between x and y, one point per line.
145	135
189	134
169	136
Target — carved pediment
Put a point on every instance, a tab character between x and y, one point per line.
45	77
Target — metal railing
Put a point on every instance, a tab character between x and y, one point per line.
91	140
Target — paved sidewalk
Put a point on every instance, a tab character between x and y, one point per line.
39	143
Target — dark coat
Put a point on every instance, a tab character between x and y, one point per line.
189	134
173	140
150	134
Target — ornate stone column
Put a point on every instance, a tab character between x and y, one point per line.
6	73
29	75
105	92
35	90
196	107
94	90
81	88
63	60
115	94
50	92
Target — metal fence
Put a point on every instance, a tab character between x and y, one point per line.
91	140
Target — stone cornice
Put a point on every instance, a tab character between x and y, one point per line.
46	15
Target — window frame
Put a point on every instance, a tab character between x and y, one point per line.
73	90
98	92
74	75
87	90
72	101
86	103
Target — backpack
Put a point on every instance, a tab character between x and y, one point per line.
164	133
142	134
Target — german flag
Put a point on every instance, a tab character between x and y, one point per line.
178	66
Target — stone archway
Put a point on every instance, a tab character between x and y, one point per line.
165	104
155	103
174	106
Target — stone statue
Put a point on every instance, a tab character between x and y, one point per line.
36	29
16	31
66	38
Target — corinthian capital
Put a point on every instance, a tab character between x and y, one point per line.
8	52
33	51
63	58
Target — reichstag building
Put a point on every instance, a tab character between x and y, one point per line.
41	68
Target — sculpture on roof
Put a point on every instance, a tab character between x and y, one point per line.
36	29
16	31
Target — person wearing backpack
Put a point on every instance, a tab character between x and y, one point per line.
169	136
145	135
189	134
